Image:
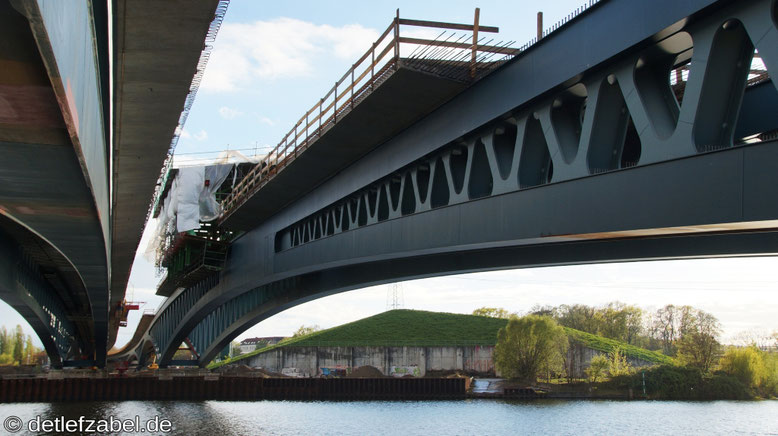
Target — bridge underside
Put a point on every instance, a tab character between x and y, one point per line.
66	237
592	146
157	53
50	217
713	205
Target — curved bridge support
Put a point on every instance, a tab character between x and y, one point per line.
716	204
26	290
311	287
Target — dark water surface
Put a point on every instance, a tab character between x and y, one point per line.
468	417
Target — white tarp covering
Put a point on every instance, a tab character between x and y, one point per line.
215	175
191	199
186	189
194	189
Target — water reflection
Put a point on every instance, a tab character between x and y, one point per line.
486	417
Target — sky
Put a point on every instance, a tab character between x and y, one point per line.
272	61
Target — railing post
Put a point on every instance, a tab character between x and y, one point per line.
372	66
286	145
540	26
352	85
397	39
474	53
335	104
321	105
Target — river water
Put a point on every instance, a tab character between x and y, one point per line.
465	417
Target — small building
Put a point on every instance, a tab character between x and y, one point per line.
250	344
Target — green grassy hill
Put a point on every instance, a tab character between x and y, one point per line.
607	345
429	329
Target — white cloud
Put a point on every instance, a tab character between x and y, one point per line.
265	120
282	47
229	113
202	135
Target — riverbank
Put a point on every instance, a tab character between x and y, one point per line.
211	386
228	388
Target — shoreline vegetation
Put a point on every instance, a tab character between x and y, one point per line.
686	362
700	369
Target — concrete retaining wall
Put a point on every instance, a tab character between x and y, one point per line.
579	357
311	361
398	361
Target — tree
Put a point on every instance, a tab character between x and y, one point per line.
570	358
634	321
236	351
665	328
305	330
597	367
18	345
618	364
29	350
549	311
763	339
770	382
6	356
671	324
529	344
3	340
580	317
745	364
698	347
183	354
492	312
613	321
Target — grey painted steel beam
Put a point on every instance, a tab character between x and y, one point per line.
699	196
578	146
24	288
318	285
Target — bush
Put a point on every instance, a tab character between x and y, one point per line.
724	387
617	364
745	364
666	382
770	383
597	367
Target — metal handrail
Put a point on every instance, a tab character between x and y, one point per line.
307	130
362	77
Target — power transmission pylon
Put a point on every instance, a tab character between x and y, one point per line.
394	296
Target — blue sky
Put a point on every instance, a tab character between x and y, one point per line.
273	60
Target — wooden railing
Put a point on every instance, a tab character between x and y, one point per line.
368	72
